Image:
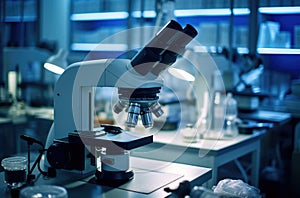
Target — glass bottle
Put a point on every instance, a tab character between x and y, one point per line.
218	112
230	128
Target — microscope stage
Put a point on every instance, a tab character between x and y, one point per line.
126	140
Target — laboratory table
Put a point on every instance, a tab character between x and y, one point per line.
211	153
277	118
150	179
280	135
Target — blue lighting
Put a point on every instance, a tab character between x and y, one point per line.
280	10
278	51
98	47
152	14
19	18
211	12
99	16
146	14
242	50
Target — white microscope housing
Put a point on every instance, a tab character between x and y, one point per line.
73	143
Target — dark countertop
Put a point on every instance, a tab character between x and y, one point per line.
150	179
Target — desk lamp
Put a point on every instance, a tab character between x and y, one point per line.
57	63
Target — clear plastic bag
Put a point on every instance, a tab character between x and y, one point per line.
236	188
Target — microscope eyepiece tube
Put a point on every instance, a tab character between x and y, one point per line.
181	39
166	35
134	110
174	47
190	30
163	49
155	48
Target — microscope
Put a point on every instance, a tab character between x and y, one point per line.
74	144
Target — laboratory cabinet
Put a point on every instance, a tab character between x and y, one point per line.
278	47
279	39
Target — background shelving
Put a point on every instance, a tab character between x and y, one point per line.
20	22
284	27
92	23
90	27
19	26
281	56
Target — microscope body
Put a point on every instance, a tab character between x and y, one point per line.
73	143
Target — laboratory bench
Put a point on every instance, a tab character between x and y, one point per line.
280	135
211	153
150	176
250	157
169	146
150	179
281	175
275	117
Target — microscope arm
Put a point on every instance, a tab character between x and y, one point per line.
73	100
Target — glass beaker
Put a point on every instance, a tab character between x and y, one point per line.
14	171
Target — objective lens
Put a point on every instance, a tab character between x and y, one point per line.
156	110
134	110
119	106
147	118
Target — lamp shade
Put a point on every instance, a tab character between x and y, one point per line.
57	63
183	70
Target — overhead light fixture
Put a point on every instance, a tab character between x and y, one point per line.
183	69
280	10
57	63
99	16
211	12
278	51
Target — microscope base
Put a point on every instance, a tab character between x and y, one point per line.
113	177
